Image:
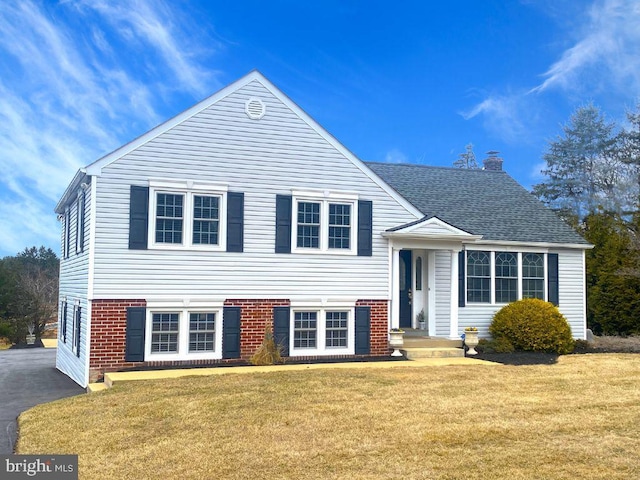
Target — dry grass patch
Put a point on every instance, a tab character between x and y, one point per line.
617	344
573	420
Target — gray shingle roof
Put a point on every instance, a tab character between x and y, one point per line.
481	202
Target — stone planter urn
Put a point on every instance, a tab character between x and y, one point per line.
471	340
31	338
396	341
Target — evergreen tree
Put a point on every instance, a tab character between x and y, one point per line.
581	170
467	159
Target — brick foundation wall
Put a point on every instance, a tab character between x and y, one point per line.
379	325
108	326
255	316
109	320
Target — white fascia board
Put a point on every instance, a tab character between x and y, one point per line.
548	245
70	190
415	228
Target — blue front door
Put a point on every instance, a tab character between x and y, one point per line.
405	288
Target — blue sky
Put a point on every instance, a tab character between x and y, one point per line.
410	81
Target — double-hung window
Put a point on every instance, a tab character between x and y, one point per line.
318	331
308	225
325	223
202	329
206	220
184	333
189	216
169	217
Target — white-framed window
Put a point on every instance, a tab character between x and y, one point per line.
324	222
506	277
183	333
478	277
533	275
500	277
190	216
327	330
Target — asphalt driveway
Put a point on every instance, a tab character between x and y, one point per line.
28	377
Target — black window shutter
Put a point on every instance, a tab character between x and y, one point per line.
136	319
281	325
78	323
138	217
67	232
553	283
231	332
235	222
283	223
80	233
363	330
64	322
365	228
462	262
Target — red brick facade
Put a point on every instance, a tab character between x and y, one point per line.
108	329
255	317
109	319
379	325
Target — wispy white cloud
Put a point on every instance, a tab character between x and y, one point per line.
395	156
502	116
79	79
604	52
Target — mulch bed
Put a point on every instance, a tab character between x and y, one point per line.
541	358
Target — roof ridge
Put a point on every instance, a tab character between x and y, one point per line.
440	167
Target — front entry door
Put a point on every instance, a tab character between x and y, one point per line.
405	288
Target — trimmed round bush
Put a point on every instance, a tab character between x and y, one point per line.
532	325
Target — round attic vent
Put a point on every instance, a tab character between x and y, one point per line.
254	108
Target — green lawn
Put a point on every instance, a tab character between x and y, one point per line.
578	419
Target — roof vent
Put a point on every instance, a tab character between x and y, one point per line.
254	108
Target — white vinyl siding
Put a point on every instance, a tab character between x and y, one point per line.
74	278
443	292
277	154
571	304
572	301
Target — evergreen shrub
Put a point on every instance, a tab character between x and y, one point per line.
532	325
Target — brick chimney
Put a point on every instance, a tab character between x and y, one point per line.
492	162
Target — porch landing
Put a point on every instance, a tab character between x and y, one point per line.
417	344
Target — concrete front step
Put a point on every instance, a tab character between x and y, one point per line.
431	342
441	352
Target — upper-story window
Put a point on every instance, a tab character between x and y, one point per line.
308	225
169	217
206	220
325	225
187	217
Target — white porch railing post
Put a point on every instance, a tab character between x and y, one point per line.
453	325
395	288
